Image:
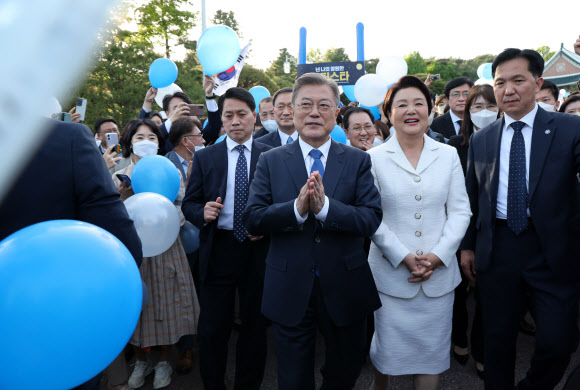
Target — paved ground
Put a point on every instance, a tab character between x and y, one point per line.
456	378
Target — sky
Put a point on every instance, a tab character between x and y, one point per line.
440	28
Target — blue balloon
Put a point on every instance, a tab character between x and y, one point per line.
65	286
156	174
220	139
349	92
259	93
338	134
480	71
162	73
218	49
189	237
487	71
374	110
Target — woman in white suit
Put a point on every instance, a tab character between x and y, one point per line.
425	215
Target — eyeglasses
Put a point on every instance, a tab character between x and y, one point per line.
457	94
358	129
193	135
306	107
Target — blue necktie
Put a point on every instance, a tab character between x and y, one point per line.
517	200
317	166
289	140
240	194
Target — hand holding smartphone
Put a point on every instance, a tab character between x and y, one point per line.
125	179
113	139
81	108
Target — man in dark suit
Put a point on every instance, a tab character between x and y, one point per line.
186	137
317	200
68	179
230	259
449	123
523	238
284	117
266	118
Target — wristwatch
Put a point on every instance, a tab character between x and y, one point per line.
211	97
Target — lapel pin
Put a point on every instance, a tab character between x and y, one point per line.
547	131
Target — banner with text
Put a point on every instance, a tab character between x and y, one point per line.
344	73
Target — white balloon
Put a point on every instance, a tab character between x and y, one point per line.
483	81
162	92
156	221
370	89
392	68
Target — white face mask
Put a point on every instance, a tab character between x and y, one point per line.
483	118
431	116
547	107
145	148
98	142
200	147
270	125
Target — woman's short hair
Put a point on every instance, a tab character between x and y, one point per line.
383	129
567	102
354	110
131	128
404	83
441	97
486	91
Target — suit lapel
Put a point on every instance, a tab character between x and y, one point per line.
295	164
428	155
492	152
398	156
255	155
334	166
542	136
277	139
220	167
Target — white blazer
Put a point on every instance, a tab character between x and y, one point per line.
424	210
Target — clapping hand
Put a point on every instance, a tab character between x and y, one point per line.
316	192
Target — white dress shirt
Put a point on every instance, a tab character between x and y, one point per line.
455	119
226	217
284	137
309	161
504	158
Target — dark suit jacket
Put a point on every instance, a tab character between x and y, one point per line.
553	197
444	125
260	133
272	139
68	179
334	249
456	142
208	182
172	156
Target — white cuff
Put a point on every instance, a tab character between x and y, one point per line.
211	105
299	218
146	109
321	216
167	124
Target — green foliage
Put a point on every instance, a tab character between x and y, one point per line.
276	70
227	19
415	63
545	52
314	56
165	21
335	55
371	65
251	77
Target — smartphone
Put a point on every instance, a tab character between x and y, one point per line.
196	109
125	179
81	108
113	139
62	116
435	77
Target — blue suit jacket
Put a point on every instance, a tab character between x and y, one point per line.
553	190
272	139
68	179
208	181
334	249
172	156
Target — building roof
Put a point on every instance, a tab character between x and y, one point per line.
565	79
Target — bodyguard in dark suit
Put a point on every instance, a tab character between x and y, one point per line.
283	115
230	259
521	181
317	200
449	123
68	179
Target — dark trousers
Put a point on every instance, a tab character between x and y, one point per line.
461	320
345	349
519	270
233	266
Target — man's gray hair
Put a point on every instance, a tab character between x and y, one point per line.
315	79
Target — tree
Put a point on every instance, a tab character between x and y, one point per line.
415	63
314	56
545	52
251	77
227	19
371	65
336	55
165	22
276	70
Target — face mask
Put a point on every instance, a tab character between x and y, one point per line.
546	106
377	142
483	118
270	125
145	148
431	116
200	147
98	142
577	113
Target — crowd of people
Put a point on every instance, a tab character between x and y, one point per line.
375	244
